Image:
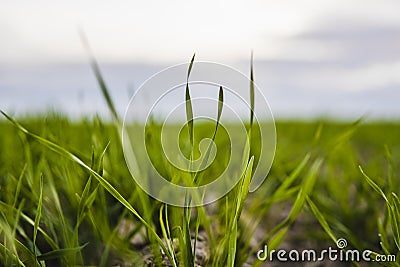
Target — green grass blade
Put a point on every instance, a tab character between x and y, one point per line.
166	233
373	184
82	200
16	224
305	190
321	219
18	188
207	155
186	247
293	176
220	104
383	237
277	239
244	190
232	243
99	77
251	91
390	168
196	233
189	108
395	220
60	253
190	65
38	214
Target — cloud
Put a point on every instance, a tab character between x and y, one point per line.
342	55
312	55
358	42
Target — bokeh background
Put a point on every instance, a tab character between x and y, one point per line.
337	58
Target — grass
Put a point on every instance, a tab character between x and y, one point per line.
67	197
72	208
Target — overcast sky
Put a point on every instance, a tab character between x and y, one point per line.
315	51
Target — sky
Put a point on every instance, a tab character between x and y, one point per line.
312	58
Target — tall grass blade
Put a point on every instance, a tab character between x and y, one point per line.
373	185
18	188
243	189
395	219
187	251
99	77
251	91
186	243
220	104
207	155
321	219
232	243
305	189
292	177
16	224
189	108
38	214
166	233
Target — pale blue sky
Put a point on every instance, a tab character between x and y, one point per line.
311	57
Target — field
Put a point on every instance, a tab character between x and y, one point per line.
67	199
